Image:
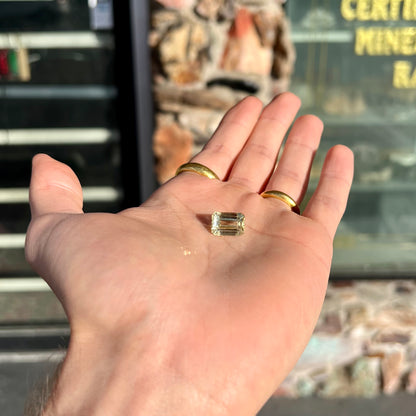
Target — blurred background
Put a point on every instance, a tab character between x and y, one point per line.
124	93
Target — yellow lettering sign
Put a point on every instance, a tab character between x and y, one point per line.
364	10
409	10
385	41
347	10
404	75
364	41
378	10
392	42
395	9
408	41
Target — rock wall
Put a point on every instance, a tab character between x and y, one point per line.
207	55
364	344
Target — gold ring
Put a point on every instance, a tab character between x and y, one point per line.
282	197
197	168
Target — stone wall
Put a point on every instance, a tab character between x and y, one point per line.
364	344
207	55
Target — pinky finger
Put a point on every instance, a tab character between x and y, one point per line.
329	200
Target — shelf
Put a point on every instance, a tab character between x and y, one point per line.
372	256
29	284
384	187
12	241
23	357
73	92
368	118
329	36
56	40
374	187
17	1
57	113
91	194
71	136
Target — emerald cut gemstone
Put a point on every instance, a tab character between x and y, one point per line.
227	223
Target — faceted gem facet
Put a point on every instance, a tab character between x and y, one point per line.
227	223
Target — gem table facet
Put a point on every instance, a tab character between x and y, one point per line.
227	223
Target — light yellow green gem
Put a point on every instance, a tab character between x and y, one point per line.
227	223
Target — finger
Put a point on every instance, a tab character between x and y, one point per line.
54	188
257	160
232	133
292	173
329	200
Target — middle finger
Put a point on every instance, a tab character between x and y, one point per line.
257	159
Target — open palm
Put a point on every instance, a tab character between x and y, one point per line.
218	322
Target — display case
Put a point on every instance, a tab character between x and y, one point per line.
69	88
356	69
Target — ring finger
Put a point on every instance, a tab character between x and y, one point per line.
292	172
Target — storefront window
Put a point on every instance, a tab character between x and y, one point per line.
356	69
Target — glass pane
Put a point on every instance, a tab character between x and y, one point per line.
53	15
355	69
57	96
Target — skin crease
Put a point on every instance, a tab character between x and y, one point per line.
165	317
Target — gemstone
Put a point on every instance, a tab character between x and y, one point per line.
227	223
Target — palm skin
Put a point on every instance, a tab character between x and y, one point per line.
216	323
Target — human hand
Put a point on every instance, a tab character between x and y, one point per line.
167	318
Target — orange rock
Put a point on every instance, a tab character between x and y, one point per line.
244	51
243	24
392	369
172	147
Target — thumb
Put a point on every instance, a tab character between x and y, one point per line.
54	188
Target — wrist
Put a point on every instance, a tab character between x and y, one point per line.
112	377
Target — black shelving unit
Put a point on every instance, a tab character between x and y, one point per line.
80	92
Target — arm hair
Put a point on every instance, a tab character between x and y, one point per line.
42	393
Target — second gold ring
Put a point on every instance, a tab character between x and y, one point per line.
284	198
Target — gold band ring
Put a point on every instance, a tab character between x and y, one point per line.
197	168
282	197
